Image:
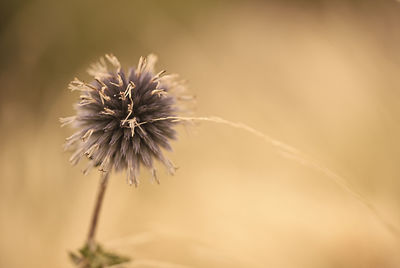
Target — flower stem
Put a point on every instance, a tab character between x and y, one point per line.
95	216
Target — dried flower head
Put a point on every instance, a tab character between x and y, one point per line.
116	116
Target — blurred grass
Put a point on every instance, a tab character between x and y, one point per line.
320	75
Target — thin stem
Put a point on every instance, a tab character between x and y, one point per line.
93	224
300	157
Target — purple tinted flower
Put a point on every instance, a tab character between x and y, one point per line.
115	113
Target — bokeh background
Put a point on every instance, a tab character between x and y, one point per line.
322	76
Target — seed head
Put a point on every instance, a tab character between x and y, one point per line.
115	117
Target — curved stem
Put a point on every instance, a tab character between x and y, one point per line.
93	224
300	157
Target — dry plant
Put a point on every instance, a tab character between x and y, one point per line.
125	119
111	135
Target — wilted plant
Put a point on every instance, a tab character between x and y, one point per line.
125	119
118	128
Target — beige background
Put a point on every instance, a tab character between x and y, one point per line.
322	76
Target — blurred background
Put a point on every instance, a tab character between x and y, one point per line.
322	76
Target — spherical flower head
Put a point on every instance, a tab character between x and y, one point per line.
118	117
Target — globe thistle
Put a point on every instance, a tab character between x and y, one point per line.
117	117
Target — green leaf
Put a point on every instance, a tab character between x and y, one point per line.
98	258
